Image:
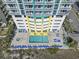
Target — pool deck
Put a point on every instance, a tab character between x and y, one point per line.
21	39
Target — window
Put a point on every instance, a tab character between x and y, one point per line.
21	26
29	12
65	5
44	30
17	15
14	10
28	6
54	30
38	0
37	12
38	6
48	6
54	12
20	23
57	1
19	20
24	15
59	16
49	0
32	30
22	11
57	20
22	30
38	31
11	0
47	11
55	26
21	6
63	10
56	6
29	0
19	1
11	5
56	23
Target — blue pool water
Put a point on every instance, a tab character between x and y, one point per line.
38	39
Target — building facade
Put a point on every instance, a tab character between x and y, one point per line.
38	17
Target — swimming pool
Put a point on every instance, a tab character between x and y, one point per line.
38	39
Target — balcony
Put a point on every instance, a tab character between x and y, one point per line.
67	1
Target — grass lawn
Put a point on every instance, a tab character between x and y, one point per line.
3	32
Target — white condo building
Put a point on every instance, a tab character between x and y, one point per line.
38	10
38	17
